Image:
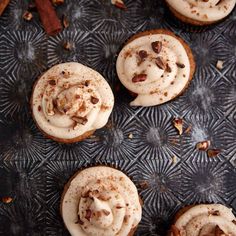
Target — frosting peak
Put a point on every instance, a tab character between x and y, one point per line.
107	202
69	100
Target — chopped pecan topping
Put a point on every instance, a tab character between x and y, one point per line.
204	145
219	232
80	120
65	21
180	65
77	96
168	69
139	78
104	198
88	214
213	152
219	64
79	221
39	108
52	82
106	213
178	124
119	207
214	213
94	100
175	230
27	15
142	56
160	63
156	46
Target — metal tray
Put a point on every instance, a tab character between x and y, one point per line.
140	141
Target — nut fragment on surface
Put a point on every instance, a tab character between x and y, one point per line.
88	214
156	46
68	46
7	199
219	64
142	56
65	21
213	152
180	65
57	2
139	78
119	3
204	145
27	15
178	124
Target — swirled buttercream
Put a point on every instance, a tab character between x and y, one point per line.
70	99
100	201
156	66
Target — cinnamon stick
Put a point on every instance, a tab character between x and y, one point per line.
3	5
48	16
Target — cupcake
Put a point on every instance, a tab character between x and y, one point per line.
70	101
201	12
155	65
100	201
204	219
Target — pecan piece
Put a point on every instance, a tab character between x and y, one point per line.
213	152
160	63
142	56
219	64
79	221
68	46
27	15
168	69
204	145
52	82
139	78
88	214
94	100
156	46
80	120
65	21
7	200
178	124
57	2
106	213
119	3
218	231
180	65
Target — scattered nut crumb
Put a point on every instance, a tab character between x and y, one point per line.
204	145
213	152
27	15
188	130
7	200
130	136
65	21
119	3
68	46
57	2
219	64
174	159
178	124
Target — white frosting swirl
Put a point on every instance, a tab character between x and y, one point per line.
203	10
101	201
163	82
203	219
71	99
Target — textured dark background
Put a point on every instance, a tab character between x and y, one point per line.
140	141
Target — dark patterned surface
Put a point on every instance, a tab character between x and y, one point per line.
140	141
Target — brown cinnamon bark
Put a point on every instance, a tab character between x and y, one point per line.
48	16
3	5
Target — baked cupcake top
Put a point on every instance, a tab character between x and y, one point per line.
205	219
100	201
156	65
71	99
203	10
